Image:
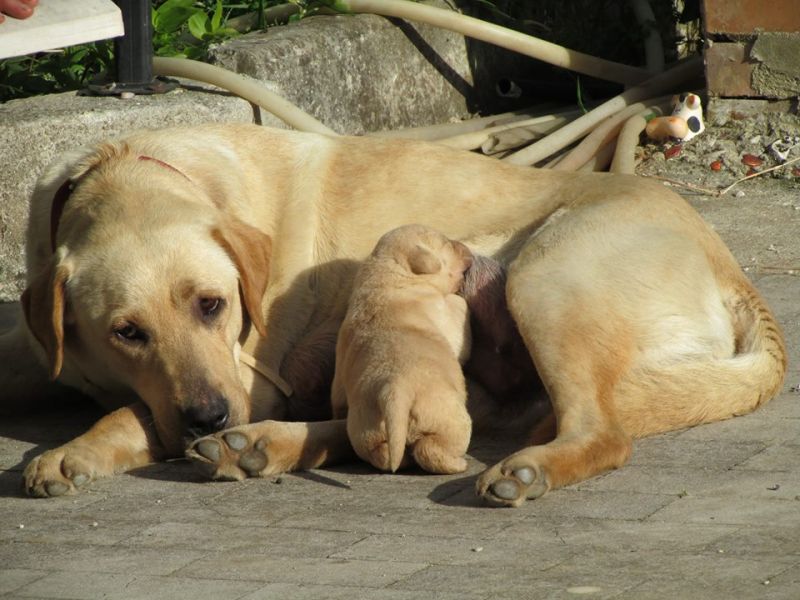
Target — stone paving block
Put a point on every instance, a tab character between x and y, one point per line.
13	499
781	457
455	551
250	566
757	427
679	482
618	536
81	557
286	591
713	588
11	579
762	542
444	522
79	586
608	505
723	454
624	572
267	541
22	525
744	511
788	578
517	577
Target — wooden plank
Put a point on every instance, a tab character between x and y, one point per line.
60	23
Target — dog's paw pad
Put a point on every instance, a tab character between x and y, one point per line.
56	488
236	441
57	472
209	449
229	455
501	487
80	479
253	461
506	489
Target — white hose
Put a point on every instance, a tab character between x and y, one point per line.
248	89
499	36
682	74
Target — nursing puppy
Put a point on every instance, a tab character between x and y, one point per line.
398	376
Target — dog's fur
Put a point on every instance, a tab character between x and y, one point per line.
499	360
636	315
398	378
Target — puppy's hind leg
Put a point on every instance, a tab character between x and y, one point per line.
440	430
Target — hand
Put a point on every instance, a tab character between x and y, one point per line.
19	9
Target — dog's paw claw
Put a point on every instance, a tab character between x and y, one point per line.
505	487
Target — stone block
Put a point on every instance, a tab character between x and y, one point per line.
746	16
728	69
776	73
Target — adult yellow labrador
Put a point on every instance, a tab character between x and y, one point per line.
196	278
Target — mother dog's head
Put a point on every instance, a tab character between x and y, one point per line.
141	289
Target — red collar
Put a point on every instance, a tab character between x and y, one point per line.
64	192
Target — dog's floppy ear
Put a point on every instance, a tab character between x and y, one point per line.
43	303
422	261
250	250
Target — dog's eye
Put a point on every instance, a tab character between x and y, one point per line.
210	307
128	332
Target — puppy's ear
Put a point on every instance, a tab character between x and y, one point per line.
43	303
422	261
250	250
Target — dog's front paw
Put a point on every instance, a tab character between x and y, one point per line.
58	472
232	455
511	482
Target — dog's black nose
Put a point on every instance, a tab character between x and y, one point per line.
207	416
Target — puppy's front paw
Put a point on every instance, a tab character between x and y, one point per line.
57	472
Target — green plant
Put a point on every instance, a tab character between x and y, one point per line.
181	28
205	25
50	72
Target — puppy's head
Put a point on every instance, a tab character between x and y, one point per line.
422	251
149	297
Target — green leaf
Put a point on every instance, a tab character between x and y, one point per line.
216	20
171	15
198	25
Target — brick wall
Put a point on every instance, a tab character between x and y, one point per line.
752	48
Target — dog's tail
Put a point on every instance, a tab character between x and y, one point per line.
395	402
713	389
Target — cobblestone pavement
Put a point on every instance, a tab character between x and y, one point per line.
711	512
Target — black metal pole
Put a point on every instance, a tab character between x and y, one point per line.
133	56
133	53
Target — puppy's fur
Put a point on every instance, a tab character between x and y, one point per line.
180	252
398	375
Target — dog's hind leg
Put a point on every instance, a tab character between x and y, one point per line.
589	439
581	352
